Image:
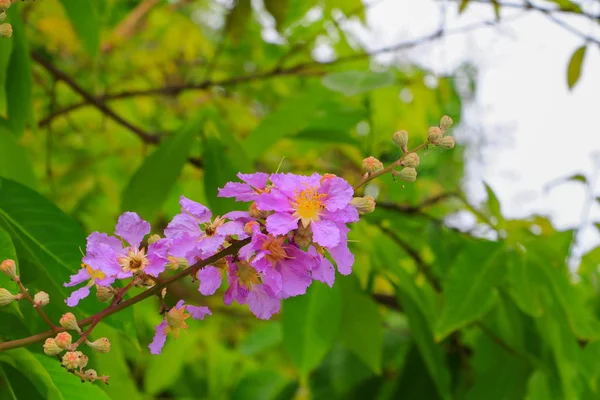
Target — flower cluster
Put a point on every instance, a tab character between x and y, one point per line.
296	225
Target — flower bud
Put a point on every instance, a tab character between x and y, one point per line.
176	318
447	143
7	297
371	164
63	340
104	294
90	375
6	30
445	123
71	360
51	348
327	177
153	239
401	139
411	160
101	345
256	213
303	236
4	4
251	226
364	205
9	268
41	299
434	134
69	321
2	16
83	360
407	174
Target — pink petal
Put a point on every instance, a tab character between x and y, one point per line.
77	296
183	223
81	276
281	224
160	337
132	228
198	312
262	304
339	193
257	180
240	191
210	280
197	210
274	201
325	233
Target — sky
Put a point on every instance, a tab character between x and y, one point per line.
530	129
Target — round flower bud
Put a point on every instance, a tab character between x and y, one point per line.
51	348
101	345
364	205
303	236
91	375
434	134
411	160
69	321
153	239
2	16
9	268
63	340
401	139
447	143
7	297
41	299
104	294
445	122
6	30
371	164
407	174
71	360
5	4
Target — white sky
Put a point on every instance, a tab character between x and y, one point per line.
533	128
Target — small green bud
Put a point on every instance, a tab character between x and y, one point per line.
401	139
445	123
411	160
407	174
9	268
101	345
364	205
51	348
7	297
371	164
434	134
6	30
447	143
104	294
41	299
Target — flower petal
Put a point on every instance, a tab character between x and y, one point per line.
281	224
198	312
231	228
325	233
339	193
183	223
157	257
257	179
210	245
77	296
262	304
274	201
241	191
160	337
96	238
184	246
195	209
272	279
324	271
81	276
132	228
210	280
341	253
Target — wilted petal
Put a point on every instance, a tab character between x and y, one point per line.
160	337
262	304
325	233
281	224
210	280
132	228
197	210
198	312
77	296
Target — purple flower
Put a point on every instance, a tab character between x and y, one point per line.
173	322
107	259
248	191
315	201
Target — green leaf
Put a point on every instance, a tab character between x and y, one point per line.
574	69
263	338
237	19
463	6
85	17
362	328
292	116
260	385
49	378
5	52
542	387
494	206
14	161
496	6
310	324
469	290
19	86
524	286
567	5
151	184
278	9
7	252
348	7
355	82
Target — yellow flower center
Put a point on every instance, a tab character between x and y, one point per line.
308	205
94	273
135	261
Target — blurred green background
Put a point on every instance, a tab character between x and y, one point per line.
122	105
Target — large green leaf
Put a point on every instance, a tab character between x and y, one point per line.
238	18
49	378
263	338
355	82
574	68
151	184
18	87
493	206
289	118
85	17
262	384
469	290
362	327
5	52
310	324
15	163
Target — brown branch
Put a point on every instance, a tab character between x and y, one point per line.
114	307
417	209
128	26
37	307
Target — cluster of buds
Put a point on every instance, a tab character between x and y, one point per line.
435	135
9	268
5	29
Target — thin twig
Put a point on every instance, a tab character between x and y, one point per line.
36	306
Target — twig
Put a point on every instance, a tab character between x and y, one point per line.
37	308
417	209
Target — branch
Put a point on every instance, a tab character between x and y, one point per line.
114	307
417	209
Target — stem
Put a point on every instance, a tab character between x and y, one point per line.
39	310
369	177
114	307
